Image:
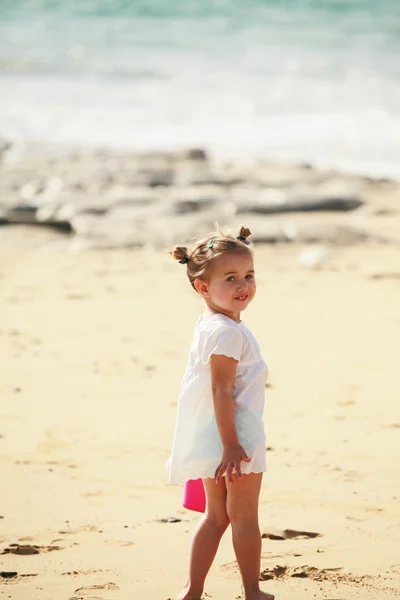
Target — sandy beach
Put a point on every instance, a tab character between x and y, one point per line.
127	128
93	345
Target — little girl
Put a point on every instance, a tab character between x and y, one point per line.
219	434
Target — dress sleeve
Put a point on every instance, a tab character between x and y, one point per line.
223	340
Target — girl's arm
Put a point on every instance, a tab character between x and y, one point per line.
223	371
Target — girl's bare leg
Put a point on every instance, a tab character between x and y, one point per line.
206	539
242	508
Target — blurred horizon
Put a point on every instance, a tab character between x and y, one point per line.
301	80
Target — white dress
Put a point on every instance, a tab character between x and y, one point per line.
197	448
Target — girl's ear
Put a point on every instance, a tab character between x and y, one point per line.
201	288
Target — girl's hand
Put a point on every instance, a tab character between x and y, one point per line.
231	459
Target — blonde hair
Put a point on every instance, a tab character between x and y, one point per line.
198	257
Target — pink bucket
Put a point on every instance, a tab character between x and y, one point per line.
194	497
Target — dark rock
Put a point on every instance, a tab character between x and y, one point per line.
141	177
94	210
27	549
79	186
21	549
4	146
120	199
196	154
8	574
62	226
28	214
324	204
3	216
22	214
160	178
192	205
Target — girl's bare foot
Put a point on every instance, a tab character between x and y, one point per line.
188	594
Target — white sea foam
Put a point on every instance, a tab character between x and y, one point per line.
281	88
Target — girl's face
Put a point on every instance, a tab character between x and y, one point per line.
230	284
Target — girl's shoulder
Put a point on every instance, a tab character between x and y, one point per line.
217	325
217	334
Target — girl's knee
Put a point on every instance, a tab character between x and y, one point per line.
220	519
239	515
242	509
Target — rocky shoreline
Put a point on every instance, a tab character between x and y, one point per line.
108	199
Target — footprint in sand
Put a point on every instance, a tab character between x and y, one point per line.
13	576
49	464
345	476
121	543
80	529
80	572
306	572
27	549
8	574
97	497
289	534
90	592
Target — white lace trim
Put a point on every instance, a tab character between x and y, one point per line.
208	473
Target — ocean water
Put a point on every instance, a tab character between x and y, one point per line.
308	80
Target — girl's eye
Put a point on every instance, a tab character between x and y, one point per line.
231	278
249	276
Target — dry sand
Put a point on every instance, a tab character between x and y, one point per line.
92	348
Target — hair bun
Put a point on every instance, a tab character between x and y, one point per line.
180	253
244	232
243	235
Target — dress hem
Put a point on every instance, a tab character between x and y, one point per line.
208	475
